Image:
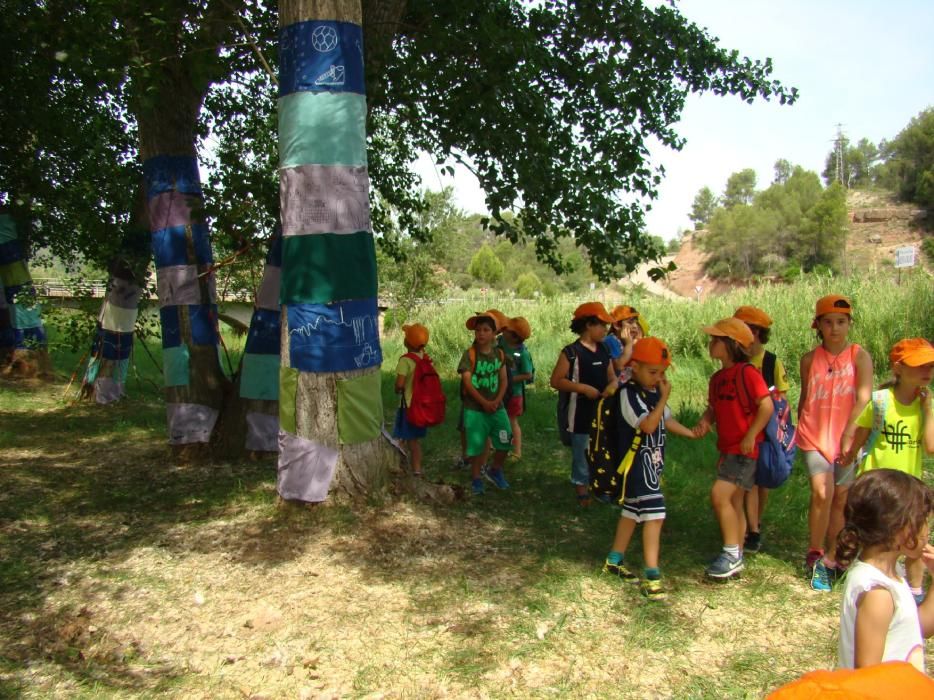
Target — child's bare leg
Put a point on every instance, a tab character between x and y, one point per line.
836	520
822	489
499	457
762	494
415	455
475	464
724	497
651	542
737	501
752	509
516	436
485	457
624	529
915	570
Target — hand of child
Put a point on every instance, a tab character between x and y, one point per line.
591	392
491	406
701	429
664	388
925	395
748	445
927	556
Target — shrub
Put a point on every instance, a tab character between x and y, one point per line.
527	284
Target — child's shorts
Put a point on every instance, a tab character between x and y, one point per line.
843	475
737	469
479	425
643	499
515	407
403	430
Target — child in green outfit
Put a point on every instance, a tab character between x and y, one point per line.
483	379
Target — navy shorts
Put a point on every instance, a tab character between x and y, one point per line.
403	430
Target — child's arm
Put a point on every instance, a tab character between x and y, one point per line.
804	370
874	611
400	383
926	609
860	435
651	421
676	428
471	391
748	444
612	381
863	395
560	381
927	420
707	419
503	379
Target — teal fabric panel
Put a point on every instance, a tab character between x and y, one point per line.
176	365
323	268
259	378
322	129
7	228
26	317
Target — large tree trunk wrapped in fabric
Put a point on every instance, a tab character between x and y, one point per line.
23	347
330	407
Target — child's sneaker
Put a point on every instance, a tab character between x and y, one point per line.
820	577
495	476
753	542
620	569
460	463
652	589
725	566
477	486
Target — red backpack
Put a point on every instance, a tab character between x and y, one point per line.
427	406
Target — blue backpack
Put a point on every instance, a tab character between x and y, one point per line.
777	450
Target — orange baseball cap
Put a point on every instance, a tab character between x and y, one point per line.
753	315
520	327
623	313
833	303
913	352
498	316
651	351
416	335
472	321
731	328
593	308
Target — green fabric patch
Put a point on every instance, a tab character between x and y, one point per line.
259	377
318	128
288	385
7	229
322	268
176	365
26	317
359	408
14	274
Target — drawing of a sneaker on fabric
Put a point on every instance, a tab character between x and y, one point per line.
367	358
333	77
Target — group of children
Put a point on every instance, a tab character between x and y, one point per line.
863	450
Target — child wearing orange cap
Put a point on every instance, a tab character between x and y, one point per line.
773	371
740	404
416	338
836	384
646	418
512	341
584	371
626	330
900	413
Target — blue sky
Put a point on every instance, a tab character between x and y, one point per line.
868	65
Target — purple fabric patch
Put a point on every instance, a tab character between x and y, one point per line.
190	423
305	469
324	199
267	297
262	432
170	209
107	390
180	284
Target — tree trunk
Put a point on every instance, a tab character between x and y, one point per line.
194	380
330	407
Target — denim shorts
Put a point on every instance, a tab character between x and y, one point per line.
580	469
737	469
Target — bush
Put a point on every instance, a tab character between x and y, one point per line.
927	247
527	284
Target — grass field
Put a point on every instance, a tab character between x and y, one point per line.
125	575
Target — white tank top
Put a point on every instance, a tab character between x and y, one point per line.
903	640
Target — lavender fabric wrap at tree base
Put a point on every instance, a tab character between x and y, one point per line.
334	337
321	56
305	469
324	199
189	422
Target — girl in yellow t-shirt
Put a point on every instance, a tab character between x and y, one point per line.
903	431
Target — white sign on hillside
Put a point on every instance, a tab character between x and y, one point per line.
905	257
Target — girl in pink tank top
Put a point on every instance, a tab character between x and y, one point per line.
836	384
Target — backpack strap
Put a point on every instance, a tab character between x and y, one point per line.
768	369
750	404
880	404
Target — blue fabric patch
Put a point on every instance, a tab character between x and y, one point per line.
29	338
14	289
172	173
321	56
112	345
170	246
203	321
11	251
334	337
171	327
263	338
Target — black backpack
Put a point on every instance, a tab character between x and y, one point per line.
565	397
608	459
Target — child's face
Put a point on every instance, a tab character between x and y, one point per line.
635	330
597	331
834	326
918	377
511	337
914	552
484	334
647	376
717	348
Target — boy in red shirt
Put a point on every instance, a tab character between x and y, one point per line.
737	403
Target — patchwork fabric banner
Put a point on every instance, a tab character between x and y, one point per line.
25	330
327	267
322	128
359	417
171	209
171	174
182	284
112	345
334	337
176	244
259	369
324	199
305	469
198	321
321	56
